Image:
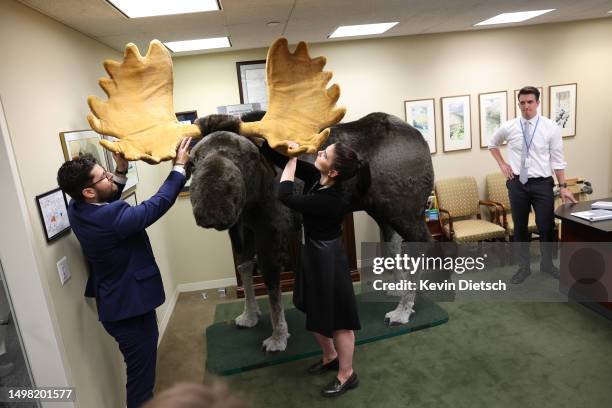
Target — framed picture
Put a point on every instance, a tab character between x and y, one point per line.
492	111
456	123
252	82
187	117
53	209
132	174
131	199
238	110
517	110
420	114
562	107
83	141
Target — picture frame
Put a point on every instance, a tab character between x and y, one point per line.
132	173
456	123
562	101
421	114
238	110
187	117
83	141
252	82
131	199
53	210
492	112
517	111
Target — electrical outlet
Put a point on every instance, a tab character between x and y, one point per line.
204	295
62	269
221	292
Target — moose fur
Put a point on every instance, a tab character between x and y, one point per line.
234	187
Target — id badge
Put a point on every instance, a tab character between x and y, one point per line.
527	162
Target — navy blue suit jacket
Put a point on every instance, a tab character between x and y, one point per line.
124	276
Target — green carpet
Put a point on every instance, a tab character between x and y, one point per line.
231	350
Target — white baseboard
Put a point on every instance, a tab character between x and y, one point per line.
210	284
166	319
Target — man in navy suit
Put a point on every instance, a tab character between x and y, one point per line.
124	277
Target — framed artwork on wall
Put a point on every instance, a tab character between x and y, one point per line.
517	110
456	123
53	210
132	174
492	111
187	117
420	114
131	199
79	142
562	107
252	82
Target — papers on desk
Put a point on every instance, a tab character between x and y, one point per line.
602	205
594	215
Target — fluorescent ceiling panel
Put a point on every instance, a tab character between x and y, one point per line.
201	44
361	29
517	17
148	8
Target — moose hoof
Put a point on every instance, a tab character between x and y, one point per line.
247	320
275	343
398	316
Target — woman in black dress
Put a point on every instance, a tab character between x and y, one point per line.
328	297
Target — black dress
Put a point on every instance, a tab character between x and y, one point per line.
329	300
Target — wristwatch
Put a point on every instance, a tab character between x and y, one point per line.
562	185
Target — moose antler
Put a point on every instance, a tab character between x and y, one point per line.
139	110
300	104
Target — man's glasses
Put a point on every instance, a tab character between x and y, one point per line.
107	175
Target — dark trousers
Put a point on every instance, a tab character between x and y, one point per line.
137	337
536	193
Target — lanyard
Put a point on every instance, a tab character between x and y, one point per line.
532	134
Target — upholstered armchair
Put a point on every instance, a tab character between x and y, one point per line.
460	211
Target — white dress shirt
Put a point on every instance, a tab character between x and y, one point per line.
545	151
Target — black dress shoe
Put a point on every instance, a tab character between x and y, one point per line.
334	388
320	368
520	276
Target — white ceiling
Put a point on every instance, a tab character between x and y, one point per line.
245	21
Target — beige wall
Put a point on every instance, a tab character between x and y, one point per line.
379	74
47	72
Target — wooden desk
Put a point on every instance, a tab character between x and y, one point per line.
575	229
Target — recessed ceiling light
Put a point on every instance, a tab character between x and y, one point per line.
519	16
148	8
273	24
201	44
361	29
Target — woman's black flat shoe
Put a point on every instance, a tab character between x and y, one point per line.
334	388
320	368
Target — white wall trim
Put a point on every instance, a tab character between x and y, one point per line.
163	325
209	284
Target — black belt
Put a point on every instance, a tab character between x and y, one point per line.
516	176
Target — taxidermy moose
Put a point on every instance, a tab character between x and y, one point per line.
233	185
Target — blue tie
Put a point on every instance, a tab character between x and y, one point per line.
525	153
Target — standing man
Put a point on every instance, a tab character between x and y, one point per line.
124	277
535	149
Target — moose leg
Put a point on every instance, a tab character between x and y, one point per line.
244	245
280	332
251	313
392	247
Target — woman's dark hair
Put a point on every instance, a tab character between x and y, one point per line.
348	164
75	175
529	90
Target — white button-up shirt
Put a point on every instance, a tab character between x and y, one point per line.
545	152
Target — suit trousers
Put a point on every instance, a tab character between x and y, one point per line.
137	338
536	193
